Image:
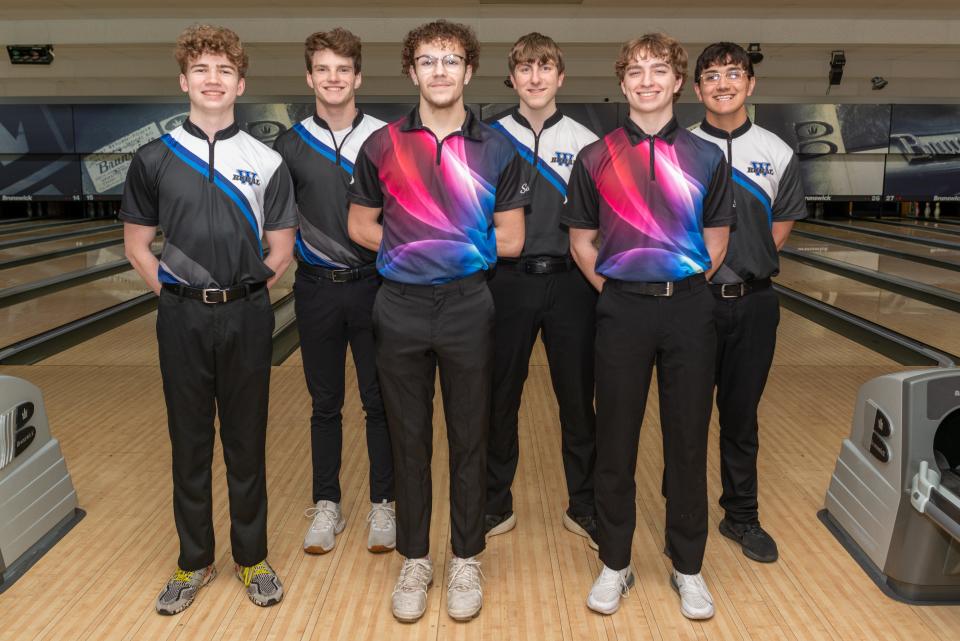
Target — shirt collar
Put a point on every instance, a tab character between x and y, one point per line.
470	127
716	132
223	134
637	135
323	123
549	122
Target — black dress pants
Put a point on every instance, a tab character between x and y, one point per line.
676	334
329	317
562	306
216	359
746	339
417	329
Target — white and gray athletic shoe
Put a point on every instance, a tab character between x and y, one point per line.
182	589
409	600
383	527
609	588
262	583
327	523
464	592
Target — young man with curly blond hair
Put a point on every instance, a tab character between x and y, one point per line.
335	287
659	198
216	192
451	192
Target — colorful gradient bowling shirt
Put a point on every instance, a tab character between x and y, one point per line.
650	196
213	200
438	197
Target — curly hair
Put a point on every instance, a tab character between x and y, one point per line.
199	39
654	45
338	40
535	47
446	33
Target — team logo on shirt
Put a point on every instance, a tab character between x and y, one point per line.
563	159
524	188
246	177
760	168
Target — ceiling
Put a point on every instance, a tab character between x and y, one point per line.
109	49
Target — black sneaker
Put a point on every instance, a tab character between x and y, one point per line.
754	541
494	524
585	526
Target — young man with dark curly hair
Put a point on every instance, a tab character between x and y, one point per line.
335	287
216	192
659	199
451	192
542	292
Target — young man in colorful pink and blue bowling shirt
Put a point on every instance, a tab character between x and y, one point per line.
451	193
769	197
659	199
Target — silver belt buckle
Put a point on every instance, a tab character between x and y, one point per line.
738	294
668	291
341	275
222	294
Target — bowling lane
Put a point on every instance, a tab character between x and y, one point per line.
135	343
927	323
92	226
918	233
44	247
906	247
930	225
35	223
904	268
64	264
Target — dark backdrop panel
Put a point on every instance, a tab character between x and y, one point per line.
36	129
40	177
925	130
843	176
922	177
828	129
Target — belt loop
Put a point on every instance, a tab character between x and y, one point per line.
403	289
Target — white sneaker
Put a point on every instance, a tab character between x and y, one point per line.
695	599
464	594
409	600
605	594
383	527
327	523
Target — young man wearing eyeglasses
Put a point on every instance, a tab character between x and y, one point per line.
543	291
768	196
659	199
451	192
335	287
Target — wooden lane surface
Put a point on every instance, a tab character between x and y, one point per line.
932	325
57	266
92	226
100	581
949	255
917	232
35	249
904	268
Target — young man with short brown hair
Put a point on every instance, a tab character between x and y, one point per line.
216	192
451	193
658	197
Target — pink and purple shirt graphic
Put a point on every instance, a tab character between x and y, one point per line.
650	197
438	197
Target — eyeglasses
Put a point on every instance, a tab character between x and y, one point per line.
451	62
713	77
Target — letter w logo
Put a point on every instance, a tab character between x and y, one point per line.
760	169
246	177
562	158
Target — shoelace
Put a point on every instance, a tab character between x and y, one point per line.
613	580
381	516
183	576
465	574
414	575
323	517
247	573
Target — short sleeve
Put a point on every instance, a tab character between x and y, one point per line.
279	203
790	203
365	183
582	210
718	206
513	186
139	204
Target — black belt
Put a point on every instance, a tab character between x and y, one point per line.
664	289
213	296
337	275
539	264
739	290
